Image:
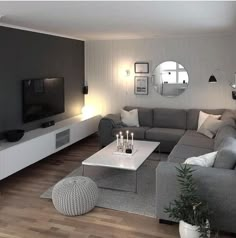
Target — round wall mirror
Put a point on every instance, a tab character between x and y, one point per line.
170	79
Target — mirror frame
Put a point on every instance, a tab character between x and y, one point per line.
155	84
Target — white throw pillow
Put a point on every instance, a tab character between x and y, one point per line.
130	118
203	116
206	160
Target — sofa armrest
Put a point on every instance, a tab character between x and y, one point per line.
216	186
114	119
105	127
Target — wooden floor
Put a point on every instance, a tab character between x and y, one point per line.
23	214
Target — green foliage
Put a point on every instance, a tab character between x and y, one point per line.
189	207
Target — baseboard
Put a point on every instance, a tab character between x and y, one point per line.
166	222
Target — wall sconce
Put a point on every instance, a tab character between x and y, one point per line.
85	88
212	79
233	85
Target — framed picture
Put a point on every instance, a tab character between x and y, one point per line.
141	68
141	85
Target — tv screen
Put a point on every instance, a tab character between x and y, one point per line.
42	98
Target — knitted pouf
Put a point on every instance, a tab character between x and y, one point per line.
75	195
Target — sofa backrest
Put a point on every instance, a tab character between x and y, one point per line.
169	118
145	115
226	156
229	115
193	114
175	118
221	136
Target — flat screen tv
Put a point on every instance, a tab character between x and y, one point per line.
42	98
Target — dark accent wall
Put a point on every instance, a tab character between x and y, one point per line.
25	55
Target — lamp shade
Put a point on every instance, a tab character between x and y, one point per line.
212	79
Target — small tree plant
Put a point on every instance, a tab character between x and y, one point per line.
189	207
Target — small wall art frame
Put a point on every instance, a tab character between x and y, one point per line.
141	67
141	85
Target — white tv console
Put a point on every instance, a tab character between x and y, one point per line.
42	142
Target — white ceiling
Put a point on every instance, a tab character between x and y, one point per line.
121	20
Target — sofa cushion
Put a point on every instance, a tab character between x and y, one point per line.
174	159
226	142
194	133
164	134
169	118
139	132
130	118
145	115
229	115
193	114
186	151
224	132
226	157
202	117
206	160
197	141
211	125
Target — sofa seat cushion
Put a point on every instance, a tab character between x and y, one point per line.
139	132
197	141
145	115
186	151
174	159
194	133
164	134
169	118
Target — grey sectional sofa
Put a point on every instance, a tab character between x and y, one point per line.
176	130
159	124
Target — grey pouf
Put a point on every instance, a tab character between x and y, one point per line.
74	196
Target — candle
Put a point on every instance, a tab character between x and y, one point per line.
132	138
117	140
121	139
127	134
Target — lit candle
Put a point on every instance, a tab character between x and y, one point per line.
117	140
132	138
121	139
127	134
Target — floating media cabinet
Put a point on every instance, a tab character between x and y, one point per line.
42	142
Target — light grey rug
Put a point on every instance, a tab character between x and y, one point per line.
142	203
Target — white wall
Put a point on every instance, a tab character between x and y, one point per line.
109	89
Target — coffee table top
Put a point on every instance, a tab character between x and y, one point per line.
106	158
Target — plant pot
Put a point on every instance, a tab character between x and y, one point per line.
188	231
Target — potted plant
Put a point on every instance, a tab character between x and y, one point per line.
188	208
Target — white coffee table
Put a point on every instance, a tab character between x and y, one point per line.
106	158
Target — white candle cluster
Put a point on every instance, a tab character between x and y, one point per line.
121	138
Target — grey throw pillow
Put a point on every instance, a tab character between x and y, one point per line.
210	126
226	156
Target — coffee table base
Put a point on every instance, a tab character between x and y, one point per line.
117	189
